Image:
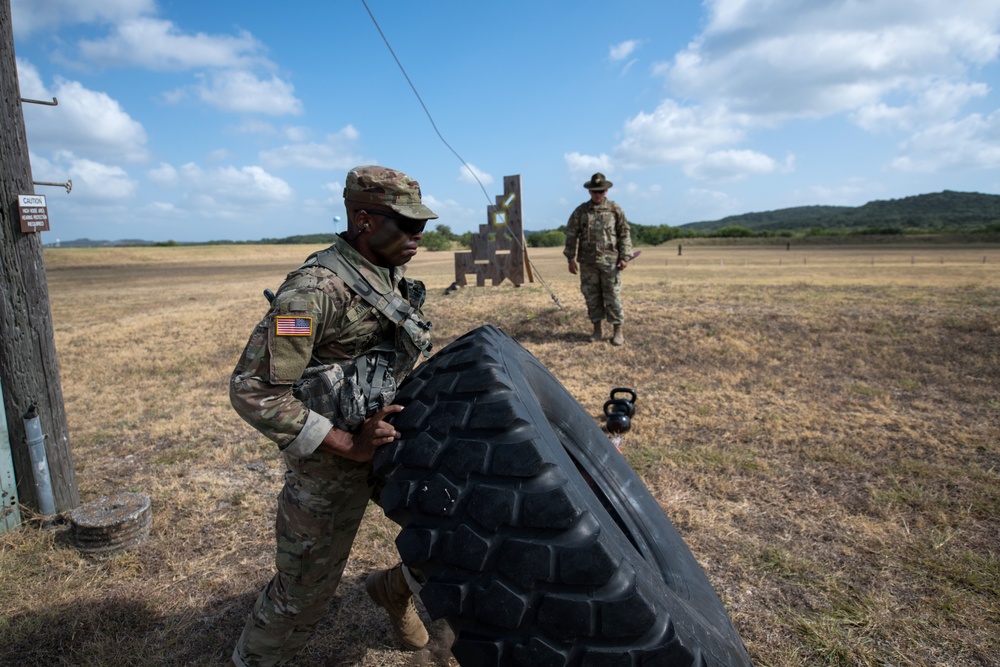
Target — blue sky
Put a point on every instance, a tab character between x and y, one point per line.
197	121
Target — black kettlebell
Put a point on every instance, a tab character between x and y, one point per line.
619	411
618	417
629	402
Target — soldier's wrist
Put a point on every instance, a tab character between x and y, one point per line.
339	442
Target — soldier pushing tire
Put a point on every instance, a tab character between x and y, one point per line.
535	539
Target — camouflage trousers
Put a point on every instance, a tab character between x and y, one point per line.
602	290
320	509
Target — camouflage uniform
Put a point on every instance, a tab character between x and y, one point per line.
316	320
597	236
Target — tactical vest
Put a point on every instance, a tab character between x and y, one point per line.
349	391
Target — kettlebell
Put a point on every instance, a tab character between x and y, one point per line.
619	420
629	402
619	411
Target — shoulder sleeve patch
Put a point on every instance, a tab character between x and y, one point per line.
293	325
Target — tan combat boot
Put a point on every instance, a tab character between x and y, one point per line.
389	590
596	336
619	337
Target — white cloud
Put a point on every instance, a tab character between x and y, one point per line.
678	134
889	67
715	196
453	214
336	152
255	180
30	81
86	122
155	44
936	101
30	16
635	190
624	49
162	207
733	165
243	91
228	65
296	133
164	174
329	209
972	142
700	204
229	193
471	173
847	194
92	181
231	184
798	58
254	126
579	164
101	181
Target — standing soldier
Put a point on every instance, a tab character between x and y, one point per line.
597	235
318	377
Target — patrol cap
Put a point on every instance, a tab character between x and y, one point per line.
598	182
380	185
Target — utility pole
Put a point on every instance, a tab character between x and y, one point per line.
29	371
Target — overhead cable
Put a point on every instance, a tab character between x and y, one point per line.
454	152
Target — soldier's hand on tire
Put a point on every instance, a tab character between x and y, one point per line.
361	446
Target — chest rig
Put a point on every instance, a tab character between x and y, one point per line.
349	391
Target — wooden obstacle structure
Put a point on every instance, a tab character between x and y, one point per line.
498	251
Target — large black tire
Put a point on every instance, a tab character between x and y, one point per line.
538	542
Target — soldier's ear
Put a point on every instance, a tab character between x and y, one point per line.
361	220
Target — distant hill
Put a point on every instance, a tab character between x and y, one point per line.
92	243
947	210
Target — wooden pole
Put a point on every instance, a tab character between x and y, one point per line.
29	370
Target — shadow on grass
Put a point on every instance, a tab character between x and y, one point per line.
122	629
550	326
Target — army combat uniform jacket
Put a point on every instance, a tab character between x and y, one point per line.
598	234
316	319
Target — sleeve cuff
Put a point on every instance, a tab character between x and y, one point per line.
310	437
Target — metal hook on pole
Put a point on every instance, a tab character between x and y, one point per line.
68	184
53	103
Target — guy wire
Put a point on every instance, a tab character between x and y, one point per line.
454	152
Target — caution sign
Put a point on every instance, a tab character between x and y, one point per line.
33	213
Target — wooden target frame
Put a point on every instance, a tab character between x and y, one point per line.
498	252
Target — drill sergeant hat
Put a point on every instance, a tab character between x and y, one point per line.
598	183
387	187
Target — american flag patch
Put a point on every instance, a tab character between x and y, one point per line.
285	325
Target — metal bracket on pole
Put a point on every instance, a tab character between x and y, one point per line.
53	103
68	184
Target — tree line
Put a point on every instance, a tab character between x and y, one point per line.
935	213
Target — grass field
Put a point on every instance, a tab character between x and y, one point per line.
821	424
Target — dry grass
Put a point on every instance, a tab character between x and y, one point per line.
821	424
